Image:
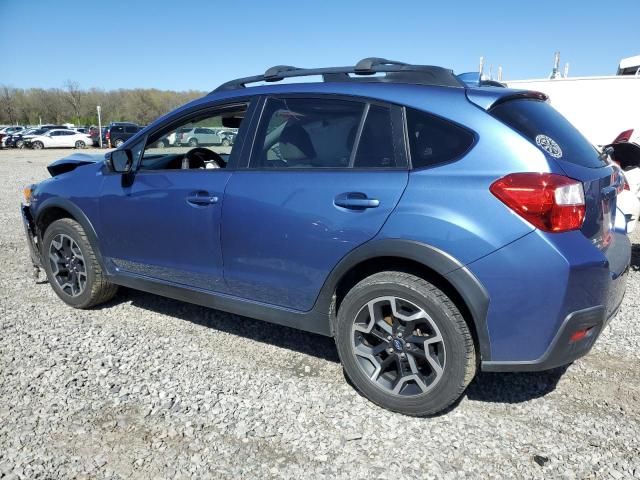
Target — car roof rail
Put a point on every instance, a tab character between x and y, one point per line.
364	71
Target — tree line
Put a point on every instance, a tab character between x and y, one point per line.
71	104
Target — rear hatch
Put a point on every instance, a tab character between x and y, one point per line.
552	133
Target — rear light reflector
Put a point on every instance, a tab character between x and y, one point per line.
550	202
580	334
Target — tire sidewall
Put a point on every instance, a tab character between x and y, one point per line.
447	388
54	229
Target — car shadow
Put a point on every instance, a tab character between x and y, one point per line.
486	387
514	387
280	336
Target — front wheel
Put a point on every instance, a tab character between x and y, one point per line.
71	266
404	344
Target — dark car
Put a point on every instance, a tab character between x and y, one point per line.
432	228
116	133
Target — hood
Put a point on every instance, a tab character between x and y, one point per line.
72	162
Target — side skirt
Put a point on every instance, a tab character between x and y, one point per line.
311	321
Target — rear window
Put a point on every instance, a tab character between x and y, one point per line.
433	141
546	128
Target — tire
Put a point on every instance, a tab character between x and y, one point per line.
225	142
428	385
80	144
19	144
96	288
37	145
118	142
193	142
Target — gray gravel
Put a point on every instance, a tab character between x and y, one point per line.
148	387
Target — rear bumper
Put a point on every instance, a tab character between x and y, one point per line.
562	350
541	289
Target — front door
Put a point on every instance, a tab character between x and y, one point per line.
163	222
323	177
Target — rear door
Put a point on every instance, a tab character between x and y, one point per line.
322	178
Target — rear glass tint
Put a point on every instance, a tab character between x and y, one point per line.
433	140
548	130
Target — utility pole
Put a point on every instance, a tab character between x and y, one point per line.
99	127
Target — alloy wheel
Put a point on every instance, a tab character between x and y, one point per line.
67	265
398	346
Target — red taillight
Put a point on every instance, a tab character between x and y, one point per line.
550	202
107	135
624	136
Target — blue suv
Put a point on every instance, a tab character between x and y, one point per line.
432	228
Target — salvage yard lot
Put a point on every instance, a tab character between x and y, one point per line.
148	387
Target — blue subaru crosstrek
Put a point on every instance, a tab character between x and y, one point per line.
432	228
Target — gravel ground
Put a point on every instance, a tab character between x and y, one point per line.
147	387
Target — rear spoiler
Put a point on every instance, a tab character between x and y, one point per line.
488	97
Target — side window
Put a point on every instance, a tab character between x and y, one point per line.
68	133
306	133
131	129
377	148
433	140
179	147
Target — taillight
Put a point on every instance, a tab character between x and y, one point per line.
107	135
550	202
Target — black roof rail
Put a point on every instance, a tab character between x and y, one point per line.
363	71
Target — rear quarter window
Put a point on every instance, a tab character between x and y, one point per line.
433	140
546	128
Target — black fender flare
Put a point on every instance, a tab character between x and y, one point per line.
77	214
472	292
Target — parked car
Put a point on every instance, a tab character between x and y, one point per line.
199	136
626	154
14	140
432	228
227	137
58	138
6	131
117	133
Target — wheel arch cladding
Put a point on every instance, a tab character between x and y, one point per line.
425	261
56	208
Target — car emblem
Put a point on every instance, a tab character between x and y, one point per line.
397	344
549	145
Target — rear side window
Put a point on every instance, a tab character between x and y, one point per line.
551	132
131	129
433	141
306	133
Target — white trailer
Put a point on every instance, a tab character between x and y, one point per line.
600	107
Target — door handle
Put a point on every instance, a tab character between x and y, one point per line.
202	198
355	201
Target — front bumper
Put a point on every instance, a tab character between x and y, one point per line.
32	237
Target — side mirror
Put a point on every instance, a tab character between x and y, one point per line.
121	161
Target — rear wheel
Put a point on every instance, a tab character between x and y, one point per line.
118	142
225	142
404	344
71	266
80	144
193	142
37	145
